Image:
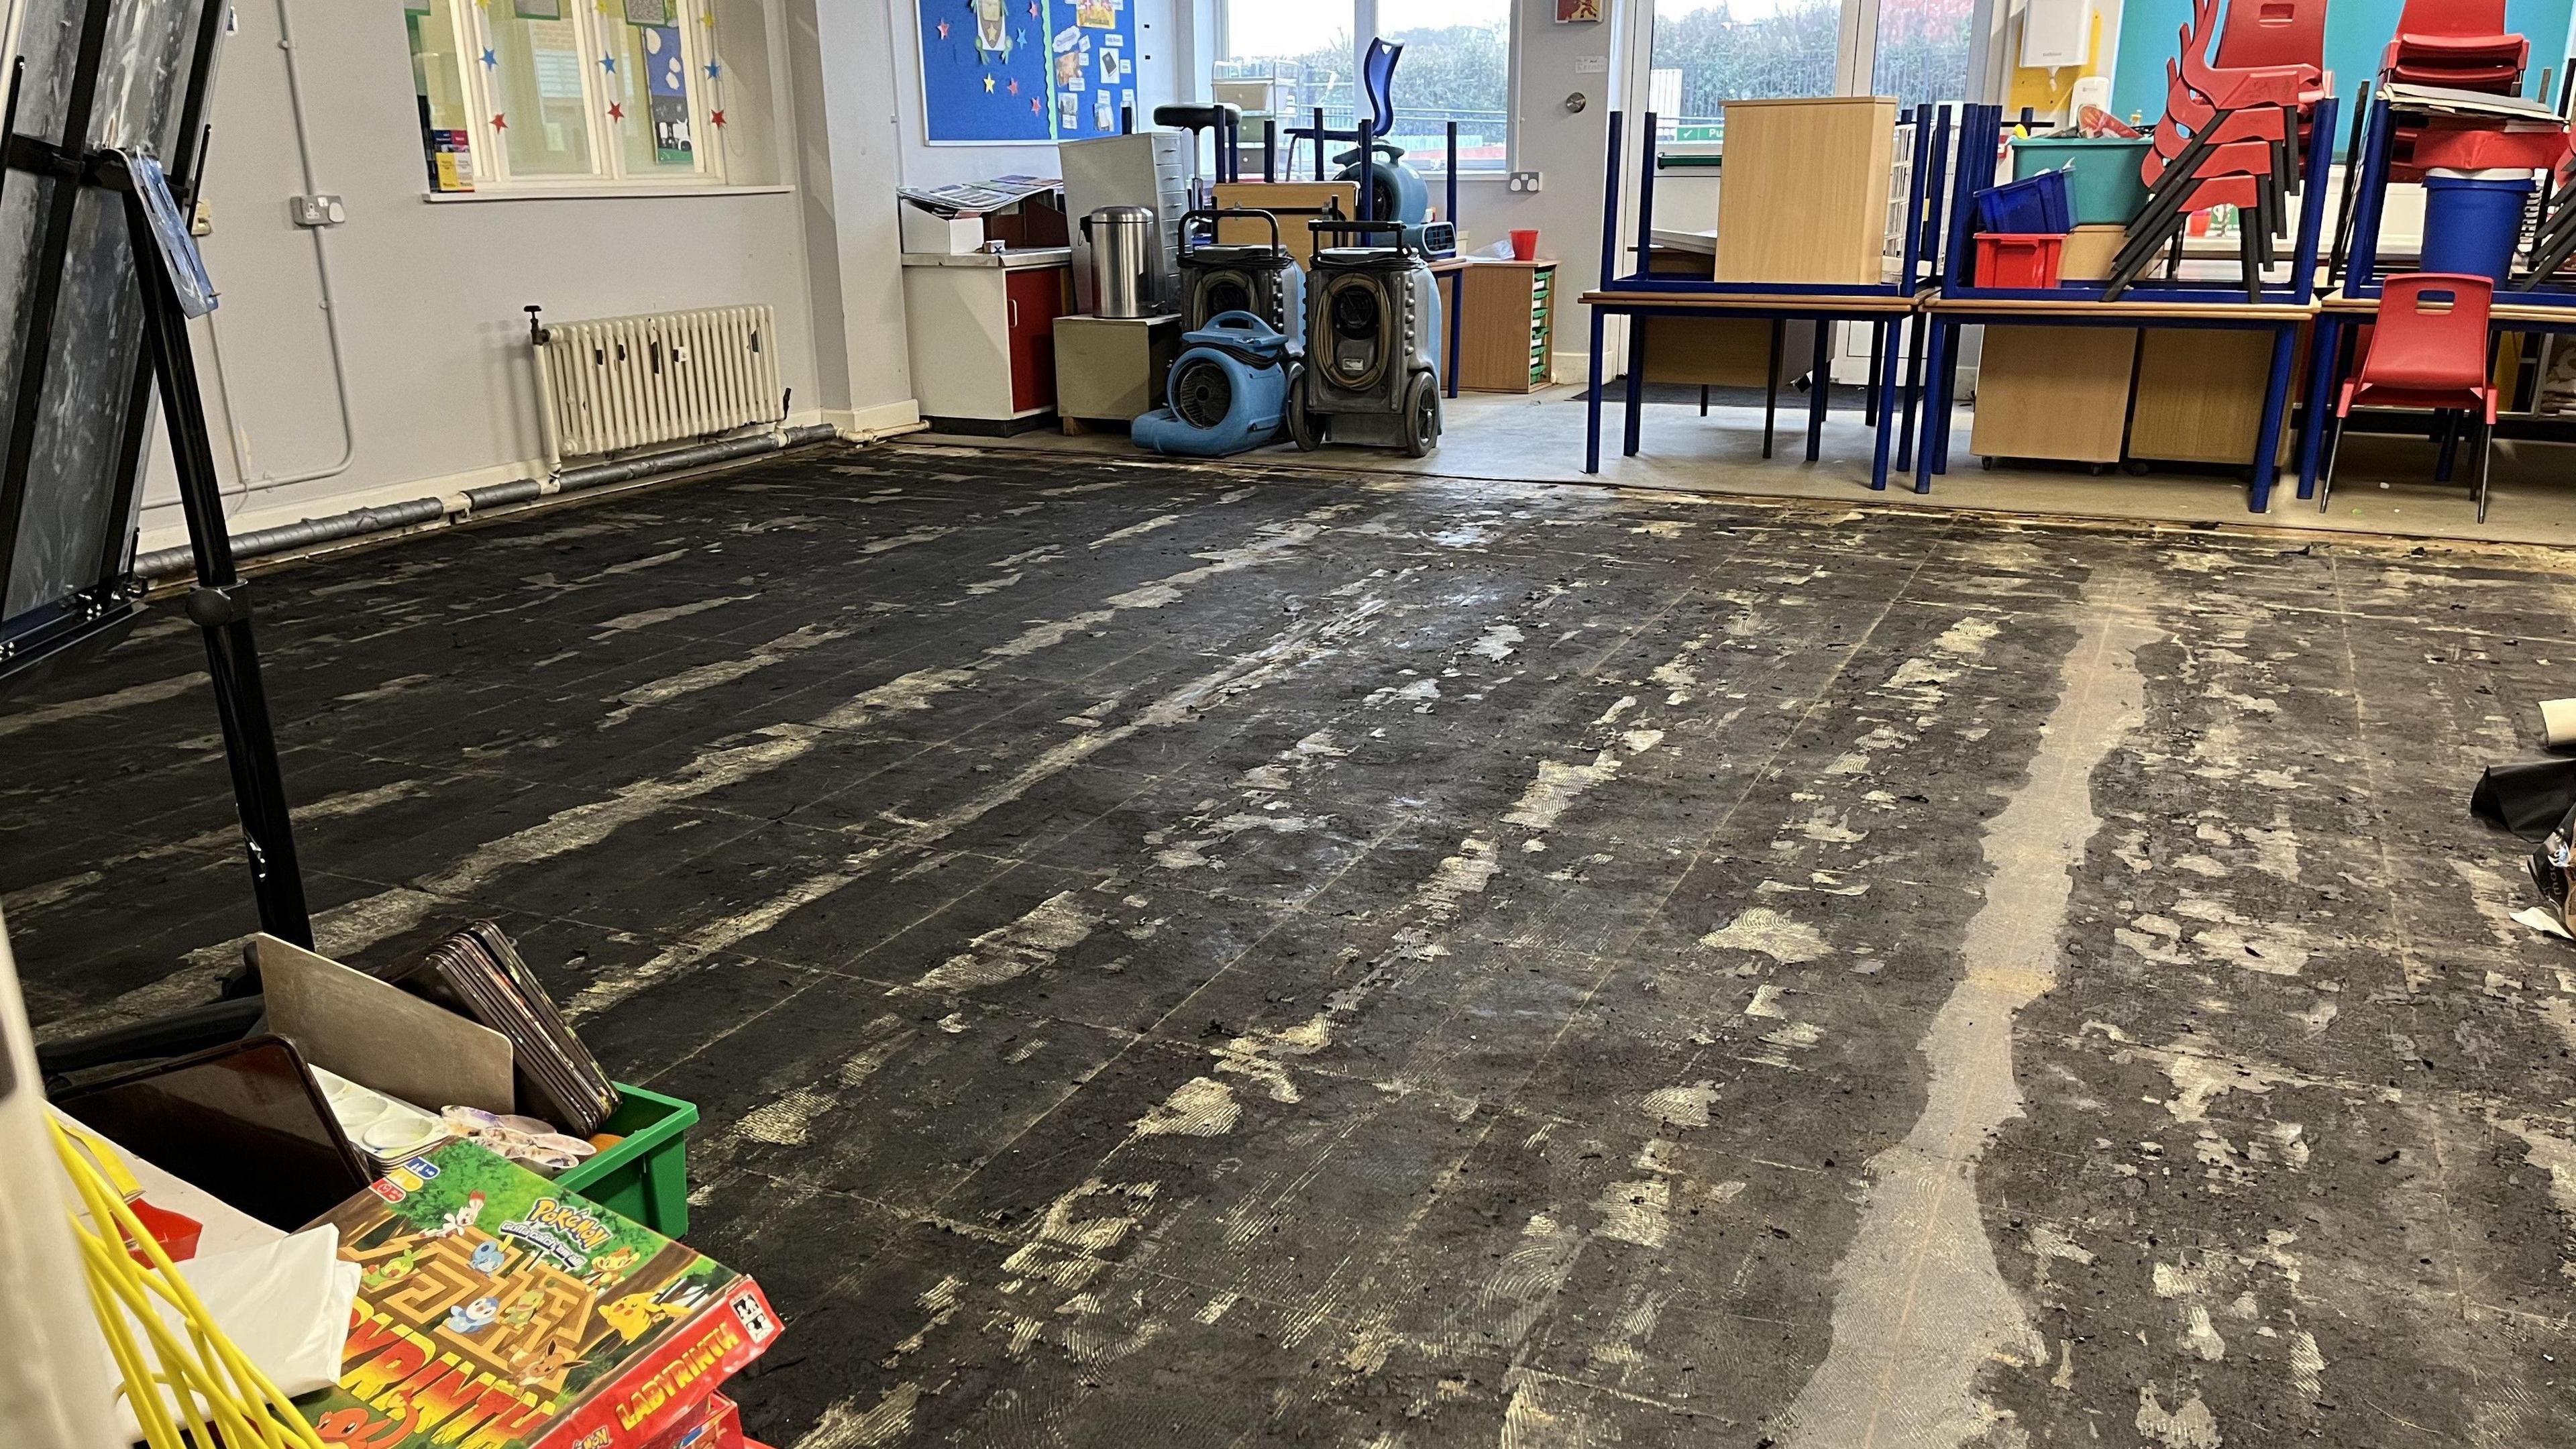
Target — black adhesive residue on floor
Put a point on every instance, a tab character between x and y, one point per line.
1181	956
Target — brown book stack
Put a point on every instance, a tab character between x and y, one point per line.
477	972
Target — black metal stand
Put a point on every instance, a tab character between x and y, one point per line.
219	605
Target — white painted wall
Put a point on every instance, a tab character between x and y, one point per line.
429	292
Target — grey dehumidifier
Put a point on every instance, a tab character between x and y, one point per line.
1372	371
1261	278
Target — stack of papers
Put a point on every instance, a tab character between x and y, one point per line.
2517	113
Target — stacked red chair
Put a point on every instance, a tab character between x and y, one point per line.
2239	115
2429	350
2459	45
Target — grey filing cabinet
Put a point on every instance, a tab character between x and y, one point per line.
1149	169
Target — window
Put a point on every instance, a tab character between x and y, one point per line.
1456	67
1704	53
534	94
1709	52
1923	51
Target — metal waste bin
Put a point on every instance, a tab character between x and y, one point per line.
1123	260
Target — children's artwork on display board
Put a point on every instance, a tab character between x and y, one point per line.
666	88
998	71
1572	12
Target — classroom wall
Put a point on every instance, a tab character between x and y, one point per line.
429	292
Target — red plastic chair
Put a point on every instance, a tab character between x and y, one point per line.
2261	34
2428	350
2457	43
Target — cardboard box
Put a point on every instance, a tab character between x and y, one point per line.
925	230
499	1311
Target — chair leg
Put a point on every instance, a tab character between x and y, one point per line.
1869	403
1703	399
2447	434
2486	448
2325	473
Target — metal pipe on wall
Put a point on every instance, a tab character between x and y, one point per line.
358	522
330	304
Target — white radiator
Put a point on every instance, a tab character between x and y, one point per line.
630	382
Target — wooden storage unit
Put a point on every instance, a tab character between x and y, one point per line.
1507	325
979	327
1803	194
1295	203
2055	392
1112	369
2200	396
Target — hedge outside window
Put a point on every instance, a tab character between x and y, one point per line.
561	94
1456	67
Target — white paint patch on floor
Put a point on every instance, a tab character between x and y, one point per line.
1764	930
1556	789
1138	530
652	618
717	672
1199	1107
1920	1308
1496	643
1006	953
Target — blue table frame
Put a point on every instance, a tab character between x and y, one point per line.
1643	294
1948	314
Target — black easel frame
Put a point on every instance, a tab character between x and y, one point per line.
218	604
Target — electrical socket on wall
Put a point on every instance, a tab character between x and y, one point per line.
1526	180
318	210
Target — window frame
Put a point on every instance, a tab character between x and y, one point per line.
609	171
1364	27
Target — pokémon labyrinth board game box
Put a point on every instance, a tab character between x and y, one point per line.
497	1311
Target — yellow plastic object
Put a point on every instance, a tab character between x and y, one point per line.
196	1391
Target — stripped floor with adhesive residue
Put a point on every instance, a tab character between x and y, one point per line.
1185	956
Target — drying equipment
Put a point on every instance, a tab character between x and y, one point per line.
1372	370
1256	277
1229	390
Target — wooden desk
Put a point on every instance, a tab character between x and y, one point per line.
2188	405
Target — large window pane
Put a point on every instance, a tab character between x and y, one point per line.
1456	67
653	122
1709	52
1923	51
536	74
1305	46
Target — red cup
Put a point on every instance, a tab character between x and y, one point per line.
1525	245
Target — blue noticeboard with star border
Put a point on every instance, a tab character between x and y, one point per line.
994	72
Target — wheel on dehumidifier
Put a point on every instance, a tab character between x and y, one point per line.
1301	426
1422	416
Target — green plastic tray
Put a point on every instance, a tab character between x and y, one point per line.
646	1177
2104	187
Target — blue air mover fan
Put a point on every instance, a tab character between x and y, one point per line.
1228	390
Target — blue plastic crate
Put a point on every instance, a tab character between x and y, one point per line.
2033	206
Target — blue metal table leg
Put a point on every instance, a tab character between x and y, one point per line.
1457	306
1913	392
1592	402
2322	347
1940	331
2276	400
1636	385
1820	388
1882	386
1945	398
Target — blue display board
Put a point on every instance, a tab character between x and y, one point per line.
2357	34
998	71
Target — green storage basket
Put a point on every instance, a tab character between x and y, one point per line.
2102	179
646	1177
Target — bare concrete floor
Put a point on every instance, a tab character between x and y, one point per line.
1235	955
1539	438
